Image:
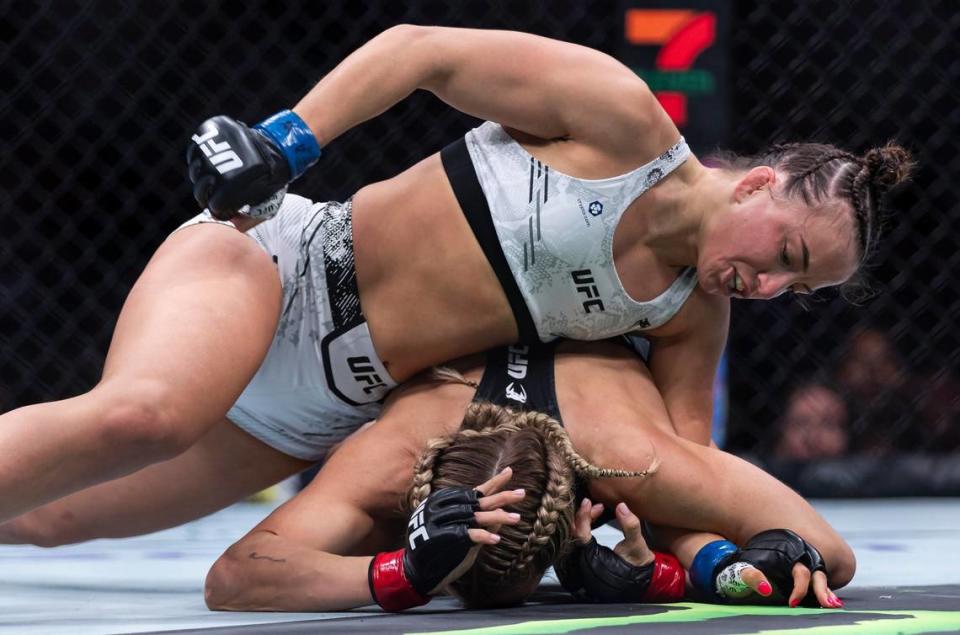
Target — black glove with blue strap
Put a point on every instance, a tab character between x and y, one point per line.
240	170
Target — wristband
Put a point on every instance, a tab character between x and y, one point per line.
668	583
389	585
705	564
294	138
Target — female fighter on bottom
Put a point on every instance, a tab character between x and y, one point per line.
314	552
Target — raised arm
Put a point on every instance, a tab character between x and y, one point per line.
544	87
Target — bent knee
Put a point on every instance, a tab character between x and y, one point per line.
216	246
42	529
142	416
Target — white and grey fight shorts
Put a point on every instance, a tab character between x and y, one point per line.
321	378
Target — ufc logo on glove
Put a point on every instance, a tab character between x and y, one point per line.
220	153
416	526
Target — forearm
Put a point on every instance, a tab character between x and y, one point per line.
708	490
373	78
264	572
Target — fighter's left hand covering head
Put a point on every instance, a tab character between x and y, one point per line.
240	170
438	544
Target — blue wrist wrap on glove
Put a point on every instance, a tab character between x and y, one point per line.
294	138
705	563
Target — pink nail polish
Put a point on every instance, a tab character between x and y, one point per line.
765	588
839	602
794	603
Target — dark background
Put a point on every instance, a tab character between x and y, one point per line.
99	98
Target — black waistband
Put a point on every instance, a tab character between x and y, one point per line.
521	376
473	202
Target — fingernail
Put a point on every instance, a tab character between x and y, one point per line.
495	538
513	516
519	492
585	503
794	603
839	602
622	508
765	588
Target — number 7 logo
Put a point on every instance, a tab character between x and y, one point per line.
683	35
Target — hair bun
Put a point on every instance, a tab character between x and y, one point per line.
888	166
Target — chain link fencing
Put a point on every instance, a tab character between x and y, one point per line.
99	97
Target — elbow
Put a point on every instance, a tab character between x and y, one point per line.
222	588
843	566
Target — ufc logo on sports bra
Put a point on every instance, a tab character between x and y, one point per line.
364	372
585	284
416	527
517	361
220	153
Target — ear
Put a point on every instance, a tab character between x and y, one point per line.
753	181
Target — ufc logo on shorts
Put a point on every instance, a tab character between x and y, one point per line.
220	153
364	372
416	527
583	280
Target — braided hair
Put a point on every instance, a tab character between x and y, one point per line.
818	173
544	464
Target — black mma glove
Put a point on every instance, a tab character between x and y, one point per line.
239	170
773	552
437	544
596	573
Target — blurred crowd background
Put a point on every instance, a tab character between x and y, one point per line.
100	97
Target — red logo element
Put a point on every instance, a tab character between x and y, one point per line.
683	36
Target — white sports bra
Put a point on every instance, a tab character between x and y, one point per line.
549	237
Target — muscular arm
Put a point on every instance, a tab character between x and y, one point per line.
707	490
303	557
684	364
544	87
265	571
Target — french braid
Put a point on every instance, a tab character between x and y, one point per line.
538	448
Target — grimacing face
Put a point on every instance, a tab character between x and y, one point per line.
766	244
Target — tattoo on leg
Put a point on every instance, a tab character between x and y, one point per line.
256	556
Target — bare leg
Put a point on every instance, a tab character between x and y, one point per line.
224	466
192	333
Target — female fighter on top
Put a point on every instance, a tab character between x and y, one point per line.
576	211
